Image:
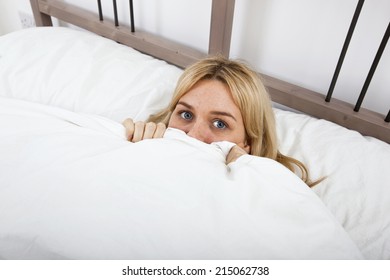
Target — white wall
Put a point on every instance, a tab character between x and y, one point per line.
300	41
295	40
9	14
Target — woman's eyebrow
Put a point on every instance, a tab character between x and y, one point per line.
218	113
185	104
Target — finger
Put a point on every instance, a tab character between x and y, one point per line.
245	147
235	153
129	126
150	129
138	131
160	130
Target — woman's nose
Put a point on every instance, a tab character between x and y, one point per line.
199	130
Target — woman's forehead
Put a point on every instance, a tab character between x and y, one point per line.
211	90
211	95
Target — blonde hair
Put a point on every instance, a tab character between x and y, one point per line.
250	96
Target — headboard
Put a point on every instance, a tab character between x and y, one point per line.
172	52
316	104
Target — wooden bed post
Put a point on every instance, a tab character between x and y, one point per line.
222	12
41	19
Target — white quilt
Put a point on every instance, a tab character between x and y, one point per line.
71	187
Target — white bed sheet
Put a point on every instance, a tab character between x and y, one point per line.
86	74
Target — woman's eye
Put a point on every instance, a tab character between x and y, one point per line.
186	115
219	124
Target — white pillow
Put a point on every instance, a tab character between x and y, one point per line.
83	72
357	184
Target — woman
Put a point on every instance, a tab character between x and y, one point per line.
218	99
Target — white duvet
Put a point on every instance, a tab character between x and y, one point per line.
71	187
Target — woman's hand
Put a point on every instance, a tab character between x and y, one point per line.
235	153
137	131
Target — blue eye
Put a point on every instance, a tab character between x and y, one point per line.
219	124
186	115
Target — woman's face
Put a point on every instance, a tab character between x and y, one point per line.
208	113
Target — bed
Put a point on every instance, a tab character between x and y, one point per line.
72	187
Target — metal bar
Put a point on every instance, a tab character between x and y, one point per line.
387	119
115	13
99	2
131	16
373	68
344	49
